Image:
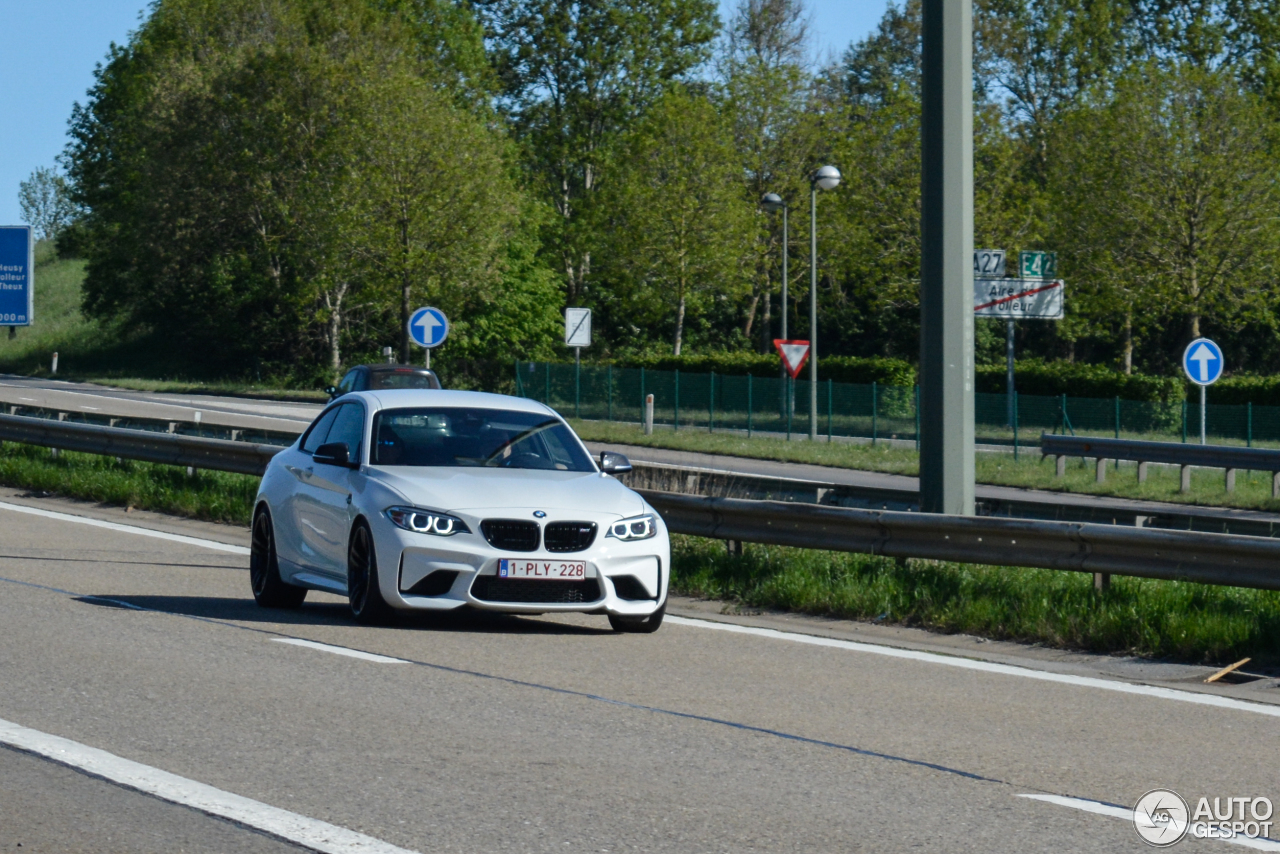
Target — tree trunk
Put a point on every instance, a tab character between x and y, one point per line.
679	324
766	322
751	316
1128	342
333	302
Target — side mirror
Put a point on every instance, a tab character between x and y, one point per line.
614	463
333	454
331	390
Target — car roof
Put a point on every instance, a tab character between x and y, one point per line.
384	368
406	397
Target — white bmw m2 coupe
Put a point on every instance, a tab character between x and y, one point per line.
431	500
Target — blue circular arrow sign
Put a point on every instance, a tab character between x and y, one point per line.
428	327
1202	360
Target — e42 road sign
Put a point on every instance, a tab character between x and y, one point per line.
1203	362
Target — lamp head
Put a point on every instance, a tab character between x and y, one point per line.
827	178
772	202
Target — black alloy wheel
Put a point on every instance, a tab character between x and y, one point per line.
269	590
639	625
363	592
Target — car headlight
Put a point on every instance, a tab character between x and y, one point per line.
635	528
426	521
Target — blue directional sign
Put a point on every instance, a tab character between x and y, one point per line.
17	275
428	327
1202	360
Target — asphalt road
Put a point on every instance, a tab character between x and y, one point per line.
717	734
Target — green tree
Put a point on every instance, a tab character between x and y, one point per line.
1166	201
678	224
45	202
573	76
765	93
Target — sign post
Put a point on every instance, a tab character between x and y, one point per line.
17	277
793	354
1033	298
577	334
1202	361
428	327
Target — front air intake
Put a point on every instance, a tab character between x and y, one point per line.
511	535
490	588
569	536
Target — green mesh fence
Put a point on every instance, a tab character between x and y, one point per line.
770	406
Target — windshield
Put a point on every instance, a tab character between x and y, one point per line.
496	438
404	378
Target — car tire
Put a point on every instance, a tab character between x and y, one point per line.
639	625
363	591
269	589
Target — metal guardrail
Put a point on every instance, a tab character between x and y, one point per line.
171	448
1174	453
1080	547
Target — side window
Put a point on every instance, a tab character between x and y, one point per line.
348	382
349	428
360	382
320	429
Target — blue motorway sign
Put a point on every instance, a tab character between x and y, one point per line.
428	327
17	275
1202	360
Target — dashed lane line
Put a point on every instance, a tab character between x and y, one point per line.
282	824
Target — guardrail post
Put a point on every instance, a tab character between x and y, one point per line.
1101	467
648	415
1231	480
1186	478
1101	582
1142	471
1060	468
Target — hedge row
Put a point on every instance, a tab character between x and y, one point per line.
1032	377
841	369
1079	380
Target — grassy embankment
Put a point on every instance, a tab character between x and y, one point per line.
1188	622
93	351
1253	489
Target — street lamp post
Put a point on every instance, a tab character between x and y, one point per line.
826	178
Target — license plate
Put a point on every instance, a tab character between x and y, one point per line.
551	570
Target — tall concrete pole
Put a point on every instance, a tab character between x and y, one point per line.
946	263
813	312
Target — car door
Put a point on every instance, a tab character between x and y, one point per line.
326	509
292	546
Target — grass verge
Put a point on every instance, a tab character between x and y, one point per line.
210	495
1188	622
1208	486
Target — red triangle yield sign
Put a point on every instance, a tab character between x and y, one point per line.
794	354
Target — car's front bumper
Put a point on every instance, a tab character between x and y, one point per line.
620	573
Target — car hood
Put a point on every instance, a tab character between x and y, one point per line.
492	489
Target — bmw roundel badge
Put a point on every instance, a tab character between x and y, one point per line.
539	514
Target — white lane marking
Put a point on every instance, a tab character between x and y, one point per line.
341	650
282	824
774	634
94	408
1126	814
128	529
32	399
247	409
989	667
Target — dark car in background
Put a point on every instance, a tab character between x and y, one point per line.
375	377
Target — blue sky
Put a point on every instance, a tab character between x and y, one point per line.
52	46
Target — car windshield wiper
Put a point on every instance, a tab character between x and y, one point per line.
519	437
